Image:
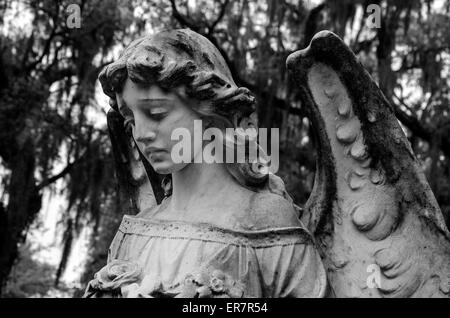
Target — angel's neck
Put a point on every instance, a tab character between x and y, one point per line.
199	182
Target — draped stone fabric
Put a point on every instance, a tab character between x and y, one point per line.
276	262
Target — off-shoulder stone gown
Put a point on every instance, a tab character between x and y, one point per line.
273	262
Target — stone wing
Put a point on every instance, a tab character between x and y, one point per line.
139	185
375	219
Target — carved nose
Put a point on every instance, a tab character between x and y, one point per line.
145	137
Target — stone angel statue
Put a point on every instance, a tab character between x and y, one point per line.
371	227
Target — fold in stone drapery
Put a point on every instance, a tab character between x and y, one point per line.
279	262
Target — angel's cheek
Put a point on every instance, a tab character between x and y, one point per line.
183	135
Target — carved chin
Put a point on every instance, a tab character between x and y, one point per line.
162	167
166	167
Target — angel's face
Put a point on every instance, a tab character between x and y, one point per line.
157	113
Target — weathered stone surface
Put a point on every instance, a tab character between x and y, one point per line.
371	206
225	230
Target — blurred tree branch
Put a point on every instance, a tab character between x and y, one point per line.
46	182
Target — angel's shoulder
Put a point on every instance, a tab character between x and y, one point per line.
270	210
150	212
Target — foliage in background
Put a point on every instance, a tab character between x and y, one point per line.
49	112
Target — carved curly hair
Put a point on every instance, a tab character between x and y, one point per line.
183	57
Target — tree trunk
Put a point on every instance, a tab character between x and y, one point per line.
24	203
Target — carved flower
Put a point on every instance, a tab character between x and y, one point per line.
130	291
189	288
189	280
204	292
210	284
116	274
149	287
217	284
201	277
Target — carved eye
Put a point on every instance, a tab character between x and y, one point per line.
157	113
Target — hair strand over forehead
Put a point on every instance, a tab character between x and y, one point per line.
180	57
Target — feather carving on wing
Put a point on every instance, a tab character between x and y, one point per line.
371	209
